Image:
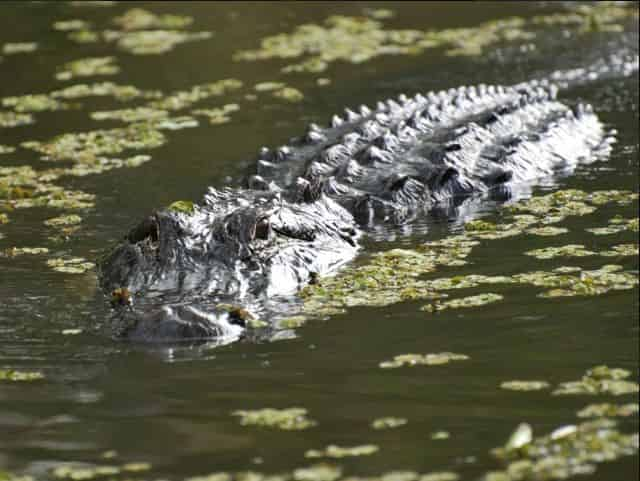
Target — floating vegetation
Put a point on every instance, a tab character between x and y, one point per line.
19	47
268	86
19	251
4	218
20	376
219	115
570	250
389	277
12	119
525	385
293	322
440	435
423	360
608	410
105	89
63	220
323	82
388	423
621	250
333	451
289	94
33	103
87	67
470	301
599	380
568	451
318	472
77	472
184	206
140	19
136	114
73	265
71	25
7	149
87	147
186	98
290	419
152	42
360	39
71	332
616	225
547	231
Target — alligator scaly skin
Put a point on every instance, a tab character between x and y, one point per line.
302	214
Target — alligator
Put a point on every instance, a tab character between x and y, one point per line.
303	212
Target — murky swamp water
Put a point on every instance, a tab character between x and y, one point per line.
104	402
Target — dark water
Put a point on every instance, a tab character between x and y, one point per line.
171	406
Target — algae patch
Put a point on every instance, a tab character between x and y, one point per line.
423	360
20	376
290	419
333	451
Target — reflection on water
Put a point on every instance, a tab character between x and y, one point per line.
109	403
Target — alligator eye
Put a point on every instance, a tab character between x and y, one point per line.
147	228
262	229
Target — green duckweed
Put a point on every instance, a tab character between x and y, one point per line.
333	451
72	265
20	251
33	103
184	206
7	149
88	67
423	360
19	47
13	119
388	423
63	220
567	451
525	385
141	19
290	419
71	25
186	98
608	410
20	376
289	94
599	380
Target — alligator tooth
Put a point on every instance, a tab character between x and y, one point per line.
420	98
264	152
312	127
402	98
393	105
432	97
364	110
336	121
500	90
381	107
482	89
491	89
553	91
382	119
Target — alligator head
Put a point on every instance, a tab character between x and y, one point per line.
176	273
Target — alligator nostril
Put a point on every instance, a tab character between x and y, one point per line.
148	228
